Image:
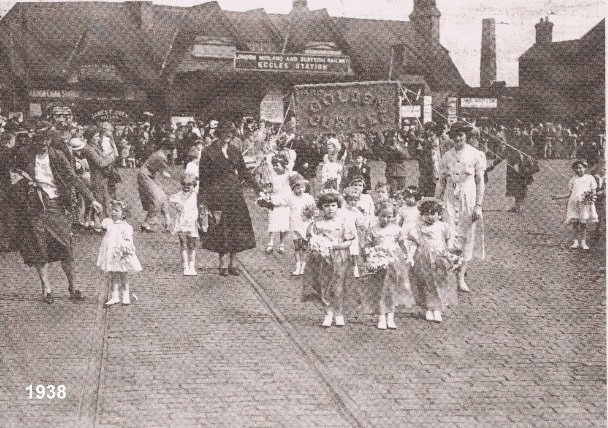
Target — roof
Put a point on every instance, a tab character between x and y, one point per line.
146	40
568	50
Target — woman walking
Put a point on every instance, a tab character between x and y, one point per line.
461	188
222	169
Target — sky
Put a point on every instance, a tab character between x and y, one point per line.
460	23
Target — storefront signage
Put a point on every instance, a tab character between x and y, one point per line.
109	115
129	95
452	109
428	108
291	62
410	111
347	107
478	103
35	110
272	107
100	72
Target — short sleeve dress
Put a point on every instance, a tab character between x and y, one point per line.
460	168
326	279
297	224
433	285
578	210
185	220
117	251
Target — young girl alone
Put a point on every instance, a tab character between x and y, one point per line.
433	256
117	253
329	239
278	218
581	203
390	285
186	228
301	213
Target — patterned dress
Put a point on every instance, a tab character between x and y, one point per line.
433	284
578	210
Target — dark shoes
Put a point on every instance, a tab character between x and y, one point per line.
223	271
76	295
229	271
48	298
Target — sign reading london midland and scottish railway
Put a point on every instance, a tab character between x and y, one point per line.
347	107
255	61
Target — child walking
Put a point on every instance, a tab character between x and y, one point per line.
186	228
391	286
331	172
117	252
301	213
329	238
357	221
432	253
278	217
581	203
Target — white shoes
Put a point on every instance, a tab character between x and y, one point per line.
190	272
328	320
340	321
437	316
298	270
390	321
584	245
126	299
462	286
113	300
382	322
575	244
356	272
429	316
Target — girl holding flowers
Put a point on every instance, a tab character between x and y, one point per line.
581	203
301	213
435	261
278	216
330	237
117	253
386	258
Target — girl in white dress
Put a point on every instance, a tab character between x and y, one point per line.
581	203
357	222
301	213
186	228
117	253
365	203
278	218
409	216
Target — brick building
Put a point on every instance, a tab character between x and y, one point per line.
204	61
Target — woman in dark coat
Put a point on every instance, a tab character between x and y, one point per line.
222	169
43	193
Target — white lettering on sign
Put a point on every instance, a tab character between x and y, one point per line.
478	103
410	111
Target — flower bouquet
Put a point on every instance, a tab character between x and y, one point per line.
265	202
309	212
321	245
589	197
377	259
451	259
123	253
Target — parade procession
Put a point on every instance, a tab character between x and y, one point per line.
305	214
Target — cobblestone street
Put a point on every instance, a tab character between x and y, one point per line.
526	348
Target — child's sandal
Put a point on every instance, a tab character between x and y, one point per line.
269	249
281	249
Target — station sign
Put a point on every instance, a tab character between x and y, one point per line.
291	63
478	103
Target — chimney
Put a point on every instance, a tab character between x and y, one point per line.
299	4
425	18
487	69
544	31
143	12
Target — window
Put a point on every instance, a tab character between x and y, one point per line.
322	48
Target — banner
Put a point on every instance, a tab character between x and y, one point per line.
279	62
347	107
478	103
109	115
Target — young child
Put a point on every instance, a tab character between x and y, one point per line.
581	203
185	225
357	221
382	193
193	157
278	218
409	216
359	168
300	217
117	253
365	203
432	253
329	238
331	172
600	203
390	285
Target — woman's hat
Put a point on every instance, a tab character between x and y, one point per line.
297	180
77	144
458	127
225	128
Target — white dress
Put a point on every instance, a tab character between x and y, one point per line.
117	251
278	218
297	224
410	217
185	221
366	205
460	193
577	210
356	221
